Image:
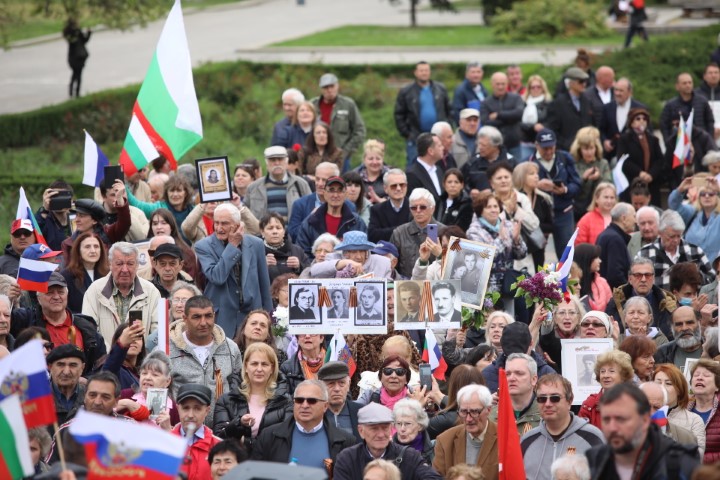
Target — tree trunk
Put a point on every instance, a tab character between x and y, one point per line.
413	17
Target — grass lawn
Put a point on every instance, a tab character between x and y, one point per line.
465	35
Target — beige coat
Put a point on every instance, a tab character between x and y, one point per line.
450	450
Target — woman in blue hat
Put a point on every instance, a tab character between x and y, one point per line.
352	258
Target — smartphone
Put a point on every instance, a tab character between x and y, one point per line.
700	182
112	173
134	316
61	200
425	376
558	183
432	232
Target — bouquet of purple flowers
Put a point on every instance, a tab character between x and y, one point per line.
472	317
544	287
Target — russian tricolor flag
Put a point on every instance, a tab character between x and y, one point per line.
120	449
659	418
95	163
24	372
681	154
565	264
432	355
24	212
33	275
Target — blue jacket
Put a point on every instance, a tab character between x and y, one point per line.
217	260
280	132
314	226
301	210
564	170
705	236
465	97
490	373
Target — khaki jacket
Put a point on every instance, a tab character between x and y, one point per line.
450	450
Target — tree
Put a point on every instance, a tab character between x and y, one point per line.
442	5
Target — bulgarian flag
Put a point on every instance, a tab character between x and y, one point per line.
24	212
681	154
166	117
15	460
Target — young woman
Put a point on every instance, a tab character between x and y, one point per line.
455	207
357	194
88	262
525	178
597	217
301	126
126	353
319	147
593	285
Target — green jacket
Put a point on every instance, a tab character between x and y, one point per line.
528	419
346	124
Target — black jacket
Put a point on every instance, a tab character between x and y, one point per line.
509	111
288	249
666	460
231	406
460	212
351	463
275	442
293	372
710	93
418	177
384	219
444	420
629	143
9	261
666	352
565	120
314	226
614	254
703	117
76	290
407	108
608	120
353	409
475	170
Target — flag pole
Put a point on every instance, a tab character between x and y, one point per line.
61	450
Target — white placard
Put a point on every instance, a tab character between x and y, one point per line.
471	266
578	364
444	298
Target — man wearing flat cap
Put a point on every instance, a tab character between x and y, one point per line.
193	403
571	111
343	116
342	410
375	427
66	364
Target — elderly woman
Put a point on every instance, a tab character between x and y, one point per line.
490	149
394	375
490	228
676	386
373	169
525	179
155	372
637	317
318	148
702	217
587	152
611	368
593	285
455	207
353	258
705	383
257	328
257	399
305	364
453	350
281	255
321	247
641	350
570	467
565	323
411	422
597	217
645	158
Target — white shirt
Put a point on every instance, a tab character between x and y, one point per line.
431	169
313	430
202	352
605	95
621	115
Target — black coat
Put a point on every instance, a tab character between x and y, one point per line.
275	442
282	254
614	254
460	212
703	117
565	120
353	409
441	422
351	463
76	290
407	108
384	219
9	261
418	177
608	120
293	372
475	170
629	143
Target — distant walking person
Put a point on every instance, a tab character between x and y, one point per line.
637	17
77	53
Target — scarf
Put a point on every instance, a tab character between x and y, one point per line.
209	225
646	151
310	367
493	228
390	400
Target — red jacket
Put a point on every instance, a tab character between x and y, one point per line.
590	225
589	409
196	464
712	432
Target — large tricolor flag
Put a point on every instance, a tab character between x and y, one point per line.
510	459
24	212
120	449
565	264
431	354
15	459
166	116
95	163
24	373
681	154
338	351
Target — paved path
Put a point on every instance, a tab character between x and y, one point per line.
36	74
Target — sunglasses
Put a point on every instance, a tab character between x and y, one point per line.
309	400
642	275
397	186
708	194
22	233
552	398
400	372
421	208
592	324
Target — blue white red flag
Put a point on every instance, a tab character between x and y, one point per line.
565	264
432	355
24	212
95	163
659	418
34	275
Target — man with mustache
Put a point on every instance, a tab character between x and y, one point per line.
635	446
688	339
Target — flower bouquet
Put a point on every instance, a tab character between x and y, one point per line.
543	287
281	316
473	318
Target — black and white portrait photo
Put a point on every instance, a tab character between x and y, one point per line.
304	304
339	308
471	266
370	309
156	400
446	303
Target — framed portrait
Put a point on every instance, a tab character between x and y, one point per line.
340	307
143	254
304	309
471	267
689	363
371	302
214	179
156	400
411	312
579	356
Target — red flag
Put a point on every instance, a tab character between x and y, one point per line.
510	459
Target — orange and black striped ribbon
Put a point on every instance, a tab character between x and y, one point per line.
426	302
353	301
324	300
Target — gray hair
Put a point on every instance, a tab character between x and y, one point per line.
189	173
638	300
647	209
335	171
157	361
641	261
393	171
577	464
180	285
123	248
531	363
467	392
472	65
671	220
316	383
6	281
492	134
325	238
408	407
230	209
422	194
620	210
711	340
296	94
6	299
438	127
43	438
713	156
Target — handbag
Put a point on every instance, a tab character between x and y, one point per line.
534	239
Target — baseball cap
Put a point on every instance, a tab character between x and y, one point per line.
21	224
335	180
167	249
197	391
546	138
57	280
38	251
384	247
328	79
469	112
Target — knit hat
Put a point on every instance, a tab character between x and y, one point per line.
64	351
635	112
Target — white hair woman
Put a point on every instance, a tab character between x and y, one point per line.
411	421
570	467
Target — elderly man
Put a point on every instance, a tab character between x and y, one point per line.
66	364
515	78
444	132
425	173
291	99
490	149
687	101
522	376
21	236
471	92
408	237
342	412
626	425
235	268
197	343
464	142
670	248
386	216
503	110
641	276
571	111
601	93
343	116
560	431
687	341
613	241
109	300
375	423
147	271
473	442
657	396
614	115
648	222
278	190
167	263
307	437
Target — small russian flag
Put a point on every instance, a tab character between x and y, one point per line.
95	161
659	418
565	264
33	272
432	355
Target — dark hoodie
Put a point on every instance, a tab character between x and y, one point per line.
9	261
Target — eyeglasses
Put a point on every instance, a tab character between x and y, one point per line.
398	186
48	345
421	208
473	412
639	276
400	372
179	301
708	194
400	425
22	233
566	313
592	324
309	400
545	398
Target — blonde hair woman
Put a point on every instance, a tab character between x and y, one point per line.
373	169
597	217
537	97
587	152
702	217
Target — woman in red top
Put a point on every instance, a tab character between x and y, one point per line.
598	216
611	368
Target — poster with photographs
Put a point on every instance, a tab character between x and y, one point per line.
329	305
143	254
689	364
578	364
156	400
214	179
412	299
471	266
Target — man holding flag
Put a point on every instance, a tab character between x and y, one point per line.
686	102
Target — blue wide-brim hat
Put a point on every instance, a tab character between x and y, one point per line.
355	240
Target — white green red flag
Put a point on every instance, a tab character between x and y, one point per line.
15	459
166	117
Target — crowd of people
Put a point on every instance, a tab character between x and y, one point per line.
523	166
